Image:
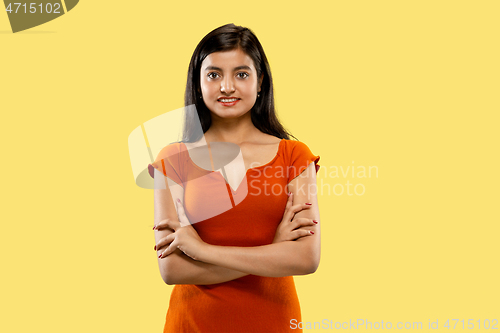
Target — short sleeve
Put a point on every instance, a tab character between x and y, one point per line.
301	157
169	162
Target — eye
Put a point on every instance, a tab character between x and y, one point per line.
242	75
212	75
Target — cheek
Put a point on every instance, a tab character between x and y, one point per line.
246	88
205	91
208	88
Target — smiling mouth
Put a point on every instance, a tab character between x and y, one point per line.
228	100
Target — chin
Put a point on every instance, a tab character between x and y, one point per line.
228	113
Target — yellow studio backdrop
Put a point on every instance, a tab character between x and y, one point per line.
409	89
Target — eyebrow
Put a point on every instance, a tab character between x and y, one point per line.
208	68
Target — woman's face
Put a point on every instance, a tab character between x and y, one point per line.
229	83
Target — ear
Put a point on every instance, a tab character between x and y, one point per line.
260	81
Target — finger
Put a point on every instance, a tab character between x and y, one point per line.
299	223
165	241
167	224
169	250
299	233
181	213
289	202
302	222
288	215
297	208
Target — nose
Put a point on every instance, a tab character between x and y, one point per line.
227	85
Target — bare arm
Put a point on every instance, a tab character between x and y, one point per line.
287	258
179	268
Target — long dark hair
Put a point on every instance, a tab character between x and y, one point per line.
227	38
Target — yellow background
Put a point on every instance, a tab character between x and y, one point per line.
409	87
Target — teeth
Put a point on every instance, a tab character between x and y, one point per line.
228	100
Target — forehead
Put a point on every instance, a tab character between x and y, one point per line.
228	60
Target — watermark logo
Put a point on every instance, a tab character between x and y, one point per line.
220	175
26	15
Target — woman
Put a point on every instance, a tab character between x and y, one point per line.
233	268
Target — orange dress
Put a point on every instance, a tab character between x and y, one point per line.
245	216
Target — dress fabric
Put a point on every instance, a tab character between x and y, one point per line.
246	216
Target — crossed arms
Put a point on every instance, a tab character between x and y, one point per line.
188	260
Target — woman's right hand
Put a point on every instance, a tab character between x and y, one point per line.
291	229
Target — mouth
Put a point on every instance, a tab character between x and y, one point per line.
228	101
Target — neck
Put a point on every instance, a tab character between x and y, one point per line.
235	130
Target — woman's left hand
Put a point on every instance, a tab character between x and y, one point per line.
184	237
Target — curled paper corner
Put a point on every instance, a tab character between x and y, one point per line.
147	140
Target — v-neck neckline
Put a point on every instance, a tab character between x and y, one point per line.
278	153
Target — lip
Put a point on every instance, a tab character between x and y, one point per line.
230	103
227	97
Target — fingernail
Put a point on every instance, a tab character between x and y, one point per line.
312	232
316	222
178	200
160	255
309	204
154	227
288	193
155	247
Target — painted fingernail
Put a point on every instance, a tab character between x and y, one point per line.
178	200
160	255
155	247
309	204
154	227
316	222
312	232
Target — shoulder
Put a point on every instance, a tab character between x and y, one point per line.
173	153
293	147
297	156
170	150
